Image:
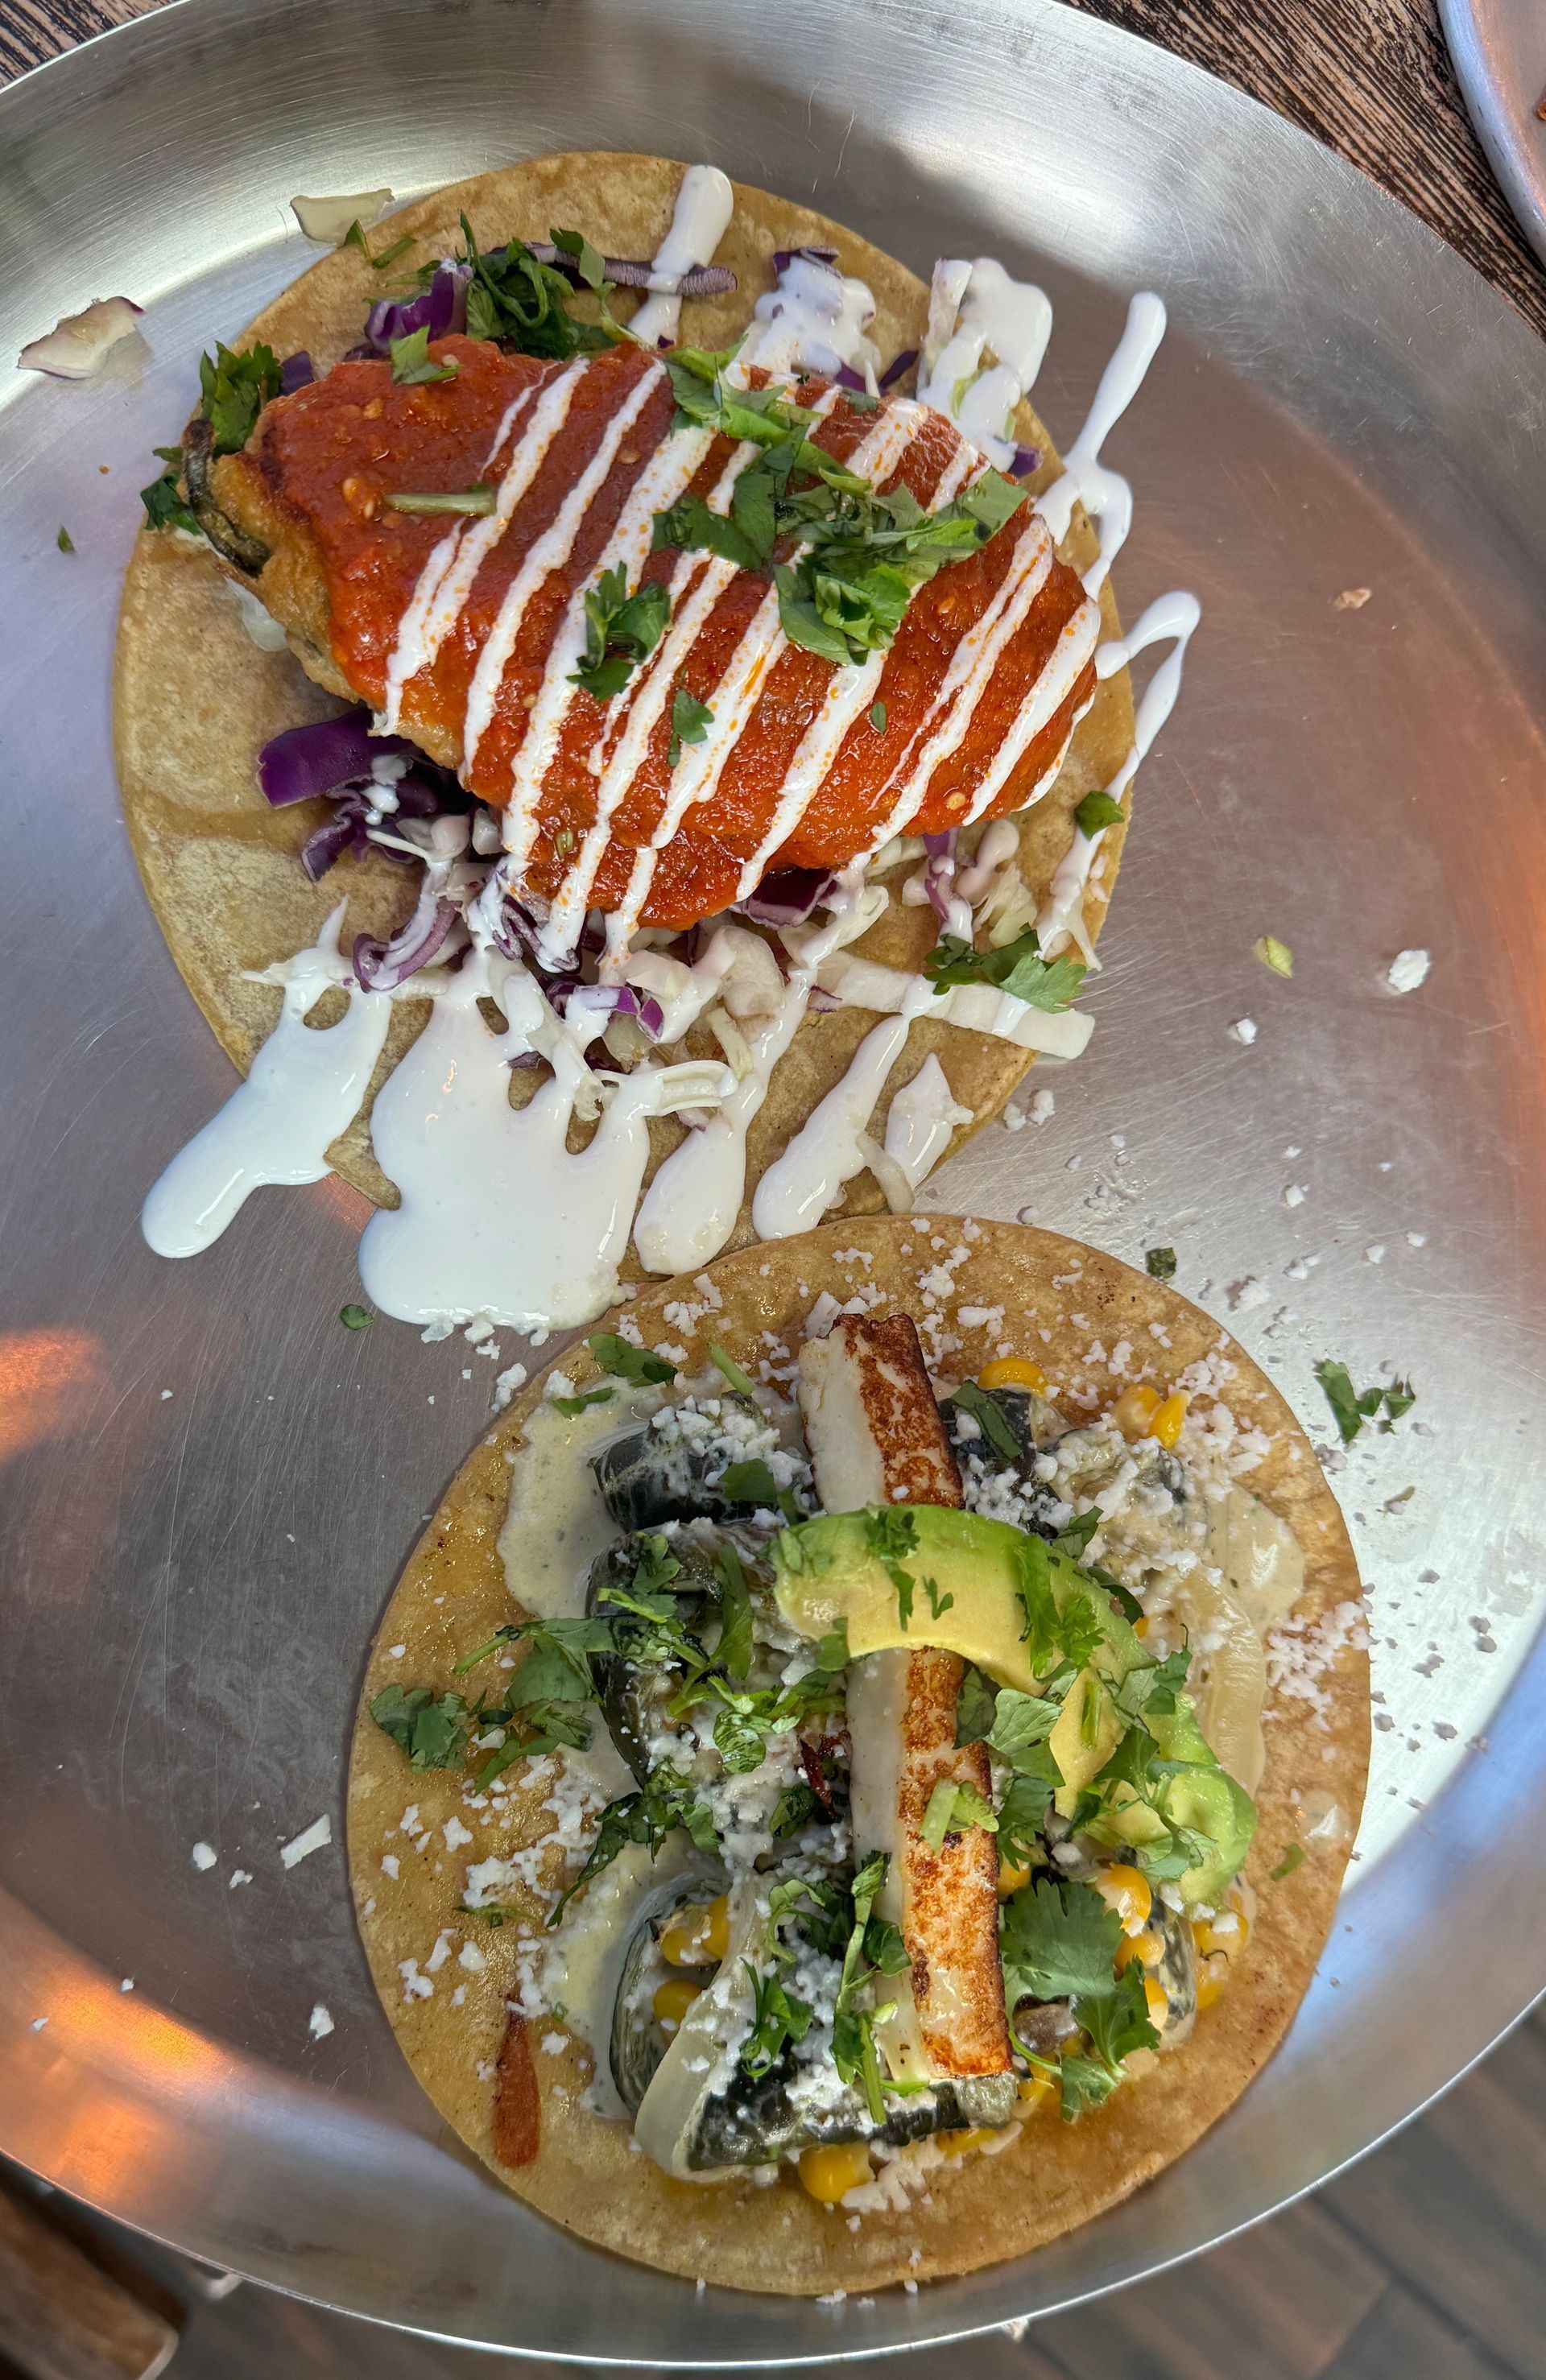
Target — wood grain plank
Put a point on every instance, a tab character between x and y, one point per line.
1278	2304
1402	2338
1457	2205
61	2317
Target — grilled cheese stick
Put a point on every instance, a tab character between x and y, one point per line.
876	1438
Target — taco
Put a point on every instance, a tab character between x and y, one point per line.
857	1775
709	696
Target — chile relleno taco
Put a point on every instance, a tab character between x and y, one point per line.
857	1775
739	738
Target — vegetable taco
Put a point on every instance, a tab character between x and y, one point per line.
857	1775
737	741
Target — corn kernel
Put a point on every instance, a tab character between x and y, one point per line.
1212	1977
1135	1410
1147	1948
1012	1372
697	1937
1011	1878
1166	1424
828	2173
674	1998
1221	1935
1158	2005
1035	2091
1127	1890
962	2143
1140	1626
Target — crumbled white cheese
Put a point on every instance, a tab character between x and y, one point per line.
320	2023
1244	1029
1408	969
314	1838
204	1855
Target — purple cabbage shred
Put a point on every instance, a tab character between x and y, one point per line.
296	371
897	366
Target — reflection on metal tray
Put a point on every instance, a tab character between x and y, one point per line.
211	1485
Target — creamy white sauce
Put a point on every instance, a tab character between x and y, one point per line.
548	552
816	317
1174	616
795	1191
975	309
922	1118
1103	493
705	205
865	983
440	596
691	1207
498	1217
306	1087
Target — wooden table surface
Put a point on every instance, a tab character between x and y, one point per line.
1428	2261
1370	78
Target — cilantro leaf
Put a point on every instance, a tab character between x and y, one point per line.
666	1801
354	1317
1159	1263
1022	1813
1084	2083
355	237
753	1483
937	1604
1018	969
732	1652
991	500
952	1807
778	2017
794	1808
431	1729
65	542
589	262
569	1406
1349	1410
412	364
620	631
690	722
975	1706
990	1417
689	525
234	390
163	500
626	1362
1021	1721
890	1532
878	717
1096	812
1118	2019
1057	1941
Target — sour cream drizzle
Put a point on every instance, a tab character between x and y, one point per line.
547	552
705	205
1084	479
1174	616
498	1216
305	1089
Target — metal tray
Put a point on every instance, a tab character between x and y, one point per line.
211	1485
1499	49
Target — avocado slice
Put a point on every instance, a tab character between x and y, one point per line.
829	1575
1204	1797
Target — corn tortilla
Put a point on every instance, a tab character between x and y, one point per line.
1053	2176
196	699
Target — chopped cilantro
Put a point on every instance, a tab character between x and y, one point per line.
753	1483
1159	1263
1058	1941
1096	812
1293	1857
1022	1812
569	1406
1118	2023
794	1808
952	1809
525	304
990	1417
991	500
491	1913
1350	1411
778	2017
235	389
620	630
890	1532
733	1650
355	237
627	1362
412	364
976	1704
937	1604
65	542
853	2032
1275	954
1073	1540
431	1729
1018	969
163	501
1020	1722
590	263
354	1317
877	717
690	722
